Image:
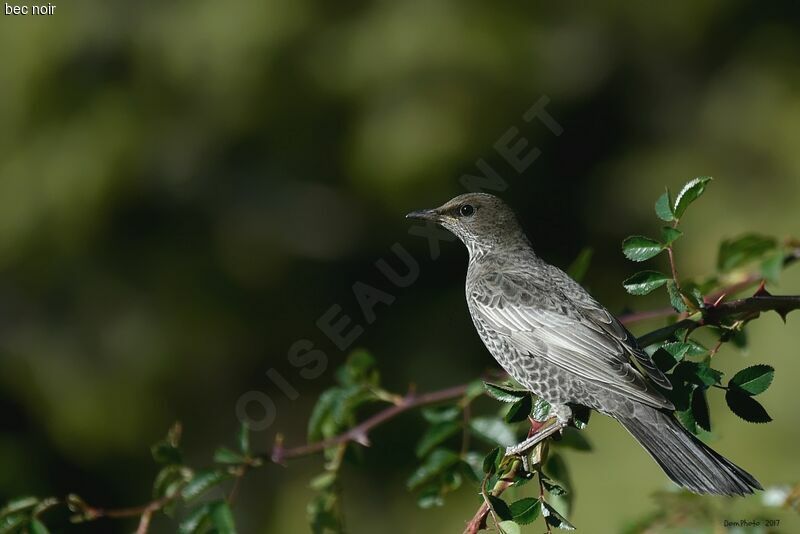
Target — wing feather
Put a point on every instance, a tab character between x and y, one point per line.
544	323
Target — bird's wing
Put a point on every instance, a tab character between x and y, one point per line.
544	323
601	319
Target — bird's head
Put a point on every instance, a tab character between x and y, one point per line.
481	221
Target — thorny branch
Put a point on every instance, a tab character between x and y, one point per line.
715	312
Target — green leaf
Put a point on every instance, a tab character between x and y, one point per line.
500	507
243	438
700	409
37	527
739	251
552	487
508	527
525	511
520	410
196	519
754	380
224	455
169	479
675	298
430	497
435	464
222	518
580	416
686	417
504	393
323	481
493	430
322	412
644	282
435	435
679	349
664	207
492	461
580	265
441	414
690	192
746	407
11	523
165	453
554	519
541	410
772	266
18	505
202	482
640	248
359	369
669	234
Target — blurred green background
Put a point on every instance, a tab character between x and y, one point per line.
185	187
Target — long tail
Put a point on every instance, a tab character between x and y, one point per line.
685	459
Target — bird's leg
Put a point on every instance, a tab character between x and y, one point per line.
561	415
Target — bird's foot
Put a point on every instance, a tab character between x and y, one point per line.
561	415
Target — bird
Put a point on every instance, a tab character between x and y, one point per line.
549	334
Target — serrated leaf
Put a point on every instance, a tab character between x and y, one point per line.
202	482
359	369
323	481
165	453
541	410
504	393
754	380
435	435
520	410
493	430
669	234
491	461
580	265
664	207
746	407
772	266
742	250
580	416
196	519
680	349
508	527
243	438
222	518
690	192
224	455
441	414
640	248
434	465
168	480
500	507
553	488
37	527
675	298
11	523
525	511
644	282
430	497
700	409
17	505
554	519
686	417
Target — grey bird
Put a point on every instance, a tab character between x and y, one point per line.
556	340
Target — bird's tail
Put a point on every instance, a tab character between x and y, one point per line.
685	459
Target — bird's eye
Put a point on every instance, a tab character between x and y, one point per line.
466	210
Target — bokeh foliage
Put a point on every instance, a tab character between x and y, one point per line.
186	187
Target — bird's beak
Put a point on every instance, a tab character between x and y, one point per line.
425	215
